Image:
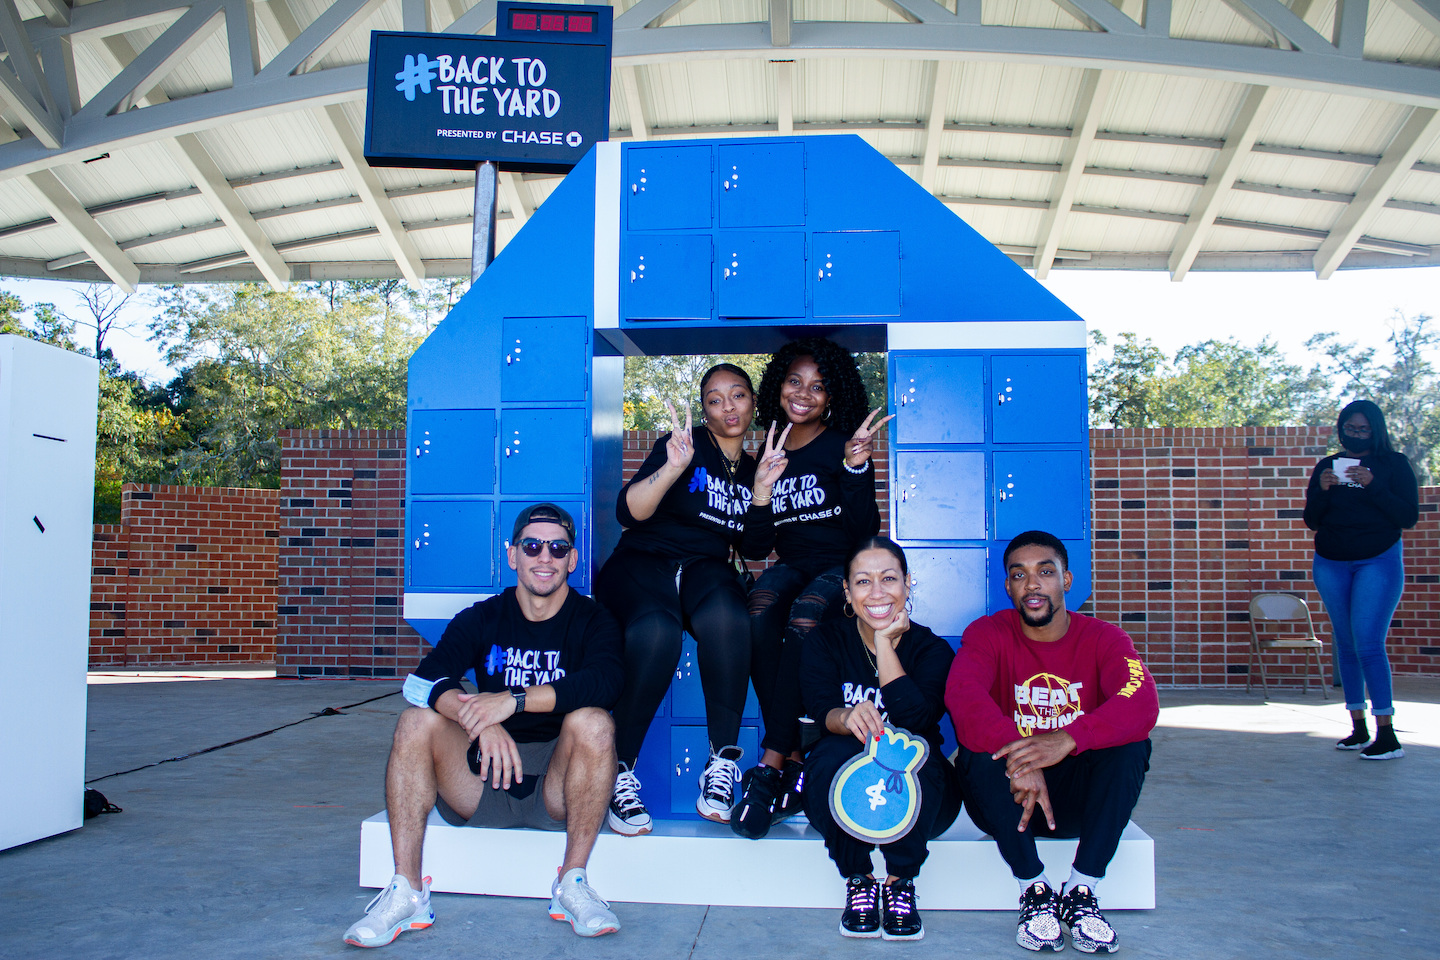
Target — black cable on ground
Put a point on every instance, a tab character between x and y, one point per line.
327	712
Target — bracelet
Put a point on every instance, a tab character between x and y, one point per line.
757	502
855	470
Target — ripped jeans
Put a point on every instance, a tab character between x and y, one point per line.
784	606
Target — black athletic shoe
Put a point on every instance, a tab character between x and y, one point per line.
1039	927
1357	740
788	803
758	789
1090	932
900	915
1385	747
861	918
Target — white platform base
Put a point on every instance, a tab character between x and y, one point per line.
695	862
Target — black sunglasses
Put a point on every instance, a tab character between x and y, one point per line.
559	549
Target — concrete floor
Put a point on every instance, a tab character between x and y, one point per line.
1267	842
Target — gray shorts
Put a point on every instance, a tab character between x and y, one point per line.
505	808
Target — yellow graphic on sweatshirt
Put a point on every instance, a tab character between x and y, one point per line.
1046	702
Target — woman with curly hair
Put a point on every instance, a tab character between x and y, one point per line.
814	499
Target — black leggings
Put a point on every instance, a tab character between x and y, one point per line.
639	589
784	606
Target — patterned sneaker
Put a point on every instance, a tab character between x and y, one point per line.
1039	919
573	899
758	790
789	802
397	908
1385	747
1090	932
1356	741
901	915
861	919
717	784
628	816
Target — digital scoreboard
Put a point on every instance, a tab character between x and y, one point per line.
536	96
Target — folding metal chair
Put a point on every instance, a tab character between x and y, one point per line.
1285	609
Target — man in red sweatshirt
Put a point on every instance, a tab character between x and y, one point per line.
1053	711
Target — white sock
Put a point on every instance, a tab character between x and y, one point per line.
1078	879
1027	884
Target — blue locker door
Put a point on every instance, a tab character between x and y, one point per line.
1039	399
452	451
1040	491
855	274
510	509
761	274
669	188
938	399
940	495
689	749
449	544
949	587
687	697
545	452
666	277
546	359
1080	569
762	184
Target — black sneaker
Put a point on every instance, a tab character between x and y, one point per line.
1090	932
627	815
1385	747
1357	740
789	802
1039	927
758	789
901	916
861	918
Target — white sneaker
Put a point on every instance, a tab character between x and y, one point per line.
719	783
573	899
628	816
397	908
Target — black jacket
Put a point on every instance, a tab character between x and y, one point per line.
1352	522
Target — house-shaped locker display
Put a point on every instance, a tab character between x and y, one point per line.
736	246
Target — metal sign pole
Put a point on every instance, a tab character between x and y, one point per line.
482	249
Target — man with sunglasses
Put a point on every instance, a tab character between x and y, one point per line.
535	747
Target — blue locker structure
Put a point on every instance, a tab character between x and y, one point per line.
736	246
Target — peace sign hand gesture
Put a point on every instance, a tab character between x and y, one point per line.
680	447
862	443
772	462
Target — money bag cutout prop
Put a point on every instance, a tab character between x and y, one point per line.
876	795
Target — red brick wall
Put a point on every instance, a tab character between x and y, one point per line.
187	577
342	501
1189	523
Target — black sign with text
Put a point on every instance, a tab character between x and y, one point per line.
440	100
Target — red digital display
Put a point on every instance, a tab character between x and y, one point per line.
523	21
583	23
554	22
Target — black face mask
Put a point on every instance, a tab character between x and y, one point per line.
1355	444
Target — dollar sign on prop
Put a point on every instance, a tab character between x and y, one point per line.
875	796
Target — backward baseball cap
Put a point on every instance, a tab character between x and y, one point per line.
543	513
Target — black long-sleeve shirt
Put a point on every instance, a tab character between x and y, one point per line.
577	652
701	514
1352	522
818	512
836	671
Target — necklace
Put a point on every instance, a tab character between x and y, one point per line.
870	656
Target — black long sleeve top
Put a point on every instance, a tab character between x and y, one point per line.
577	652
1352	522
702	513
819	509
836	671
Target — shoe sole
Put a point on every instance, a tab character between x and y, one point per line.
1395	754
398	930
711	815
1358	746
625	829
1094	947
909	936
562	915
855	935
1040	947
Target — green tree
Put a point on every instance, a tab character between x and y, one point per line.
1122	381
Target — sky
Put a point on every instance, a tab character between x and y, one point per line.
1359	305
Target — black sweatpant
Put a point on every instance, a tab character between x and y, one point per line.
639	589
784	606
1091	793
939	806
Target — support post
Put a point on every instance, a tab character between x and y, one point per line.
482	249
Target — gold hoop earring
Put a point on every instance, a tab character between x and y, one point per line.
848	610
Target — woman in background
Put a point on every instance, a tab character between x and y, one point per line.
1358	511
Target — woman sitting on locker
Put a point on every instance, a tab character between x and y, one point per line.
683	510
871	668
814	499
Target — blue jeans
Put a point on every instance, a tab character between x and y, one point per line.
1361	597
